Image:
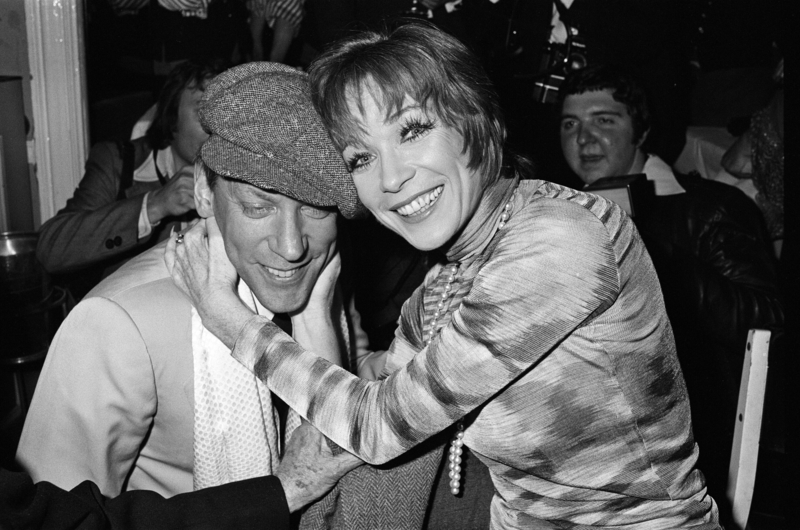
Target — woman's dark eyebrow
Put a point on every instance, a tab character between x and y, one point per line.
403	110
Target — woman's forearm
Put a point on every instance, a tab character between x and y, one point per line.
318	334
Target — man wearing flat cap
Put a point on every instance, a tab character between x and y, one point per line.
135	393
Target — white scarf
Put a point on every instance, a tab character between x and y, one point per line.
236	428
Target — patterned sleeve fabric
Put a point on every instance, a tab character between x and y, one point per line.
560	359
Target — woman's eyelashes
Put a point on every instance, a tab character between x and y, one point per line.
414	128
358	161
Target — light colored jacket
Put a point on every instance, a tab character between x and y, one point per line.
115	399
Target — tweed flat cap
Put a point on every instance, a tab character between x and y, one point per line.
264	131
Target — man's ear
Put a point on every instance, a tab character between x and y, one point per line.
643	139
203	194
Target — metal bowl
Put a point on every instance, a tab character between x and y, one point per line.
23	280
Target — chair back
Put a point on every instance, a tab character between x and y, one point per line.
744	455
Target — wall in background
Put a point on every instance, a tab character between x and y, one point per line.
18	211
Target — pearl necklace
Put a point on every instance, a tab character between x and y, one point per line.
454	458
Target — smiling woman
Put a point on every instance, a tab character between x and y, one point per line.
411	172
542	341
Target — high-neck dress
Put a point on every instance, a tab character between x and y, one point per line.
557	354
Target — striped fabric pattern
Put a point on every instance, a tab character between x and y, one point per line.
187	7
127	7
290	10
558	355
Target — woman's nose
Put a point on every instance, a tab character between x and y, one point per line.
290	241
395	172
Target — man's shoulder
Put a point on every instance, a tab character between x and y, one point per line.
716	201
144	291
146	272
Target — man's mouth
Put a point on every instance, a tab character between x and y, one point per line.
421	204
283	274
591	159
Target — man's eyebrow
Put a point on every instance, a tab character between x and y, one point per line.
608	112
252	191
603	112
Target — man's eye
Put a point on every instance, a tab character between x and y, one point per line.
316	213
256	211
415	128
567	125
606	121
358	161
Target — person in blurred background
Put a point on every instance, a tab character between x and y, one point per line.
133	193
283	17
708	243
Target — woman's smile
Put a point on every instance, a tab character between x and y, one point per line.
420	204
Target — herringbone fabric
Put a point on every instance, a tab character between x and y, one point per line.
393	497
265	131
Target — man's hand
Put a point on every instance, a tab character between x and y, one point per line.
308	469
176	197
737	160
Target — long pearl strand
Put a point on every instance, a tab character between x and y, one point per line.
455	451
454	458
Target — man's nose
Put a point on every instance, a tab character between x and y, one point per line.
585	135
290	242
396	170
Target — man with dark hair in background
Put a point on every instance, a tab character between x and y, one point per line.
708	243
133	193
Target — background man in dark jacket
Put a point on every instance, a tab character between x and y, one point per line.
708	243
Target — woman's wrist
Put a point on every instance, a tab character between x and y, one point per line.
227	329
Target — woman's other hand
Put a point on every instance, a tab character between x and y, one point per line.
317	326
199	266
323	296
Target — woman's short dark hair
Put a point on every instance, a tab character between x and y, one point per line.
188	74
624	89
420	61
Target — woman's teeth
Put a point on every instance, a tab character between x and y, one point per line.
282	274
420	204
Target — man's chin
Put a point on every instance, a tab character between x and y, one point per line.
279	299
592	175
